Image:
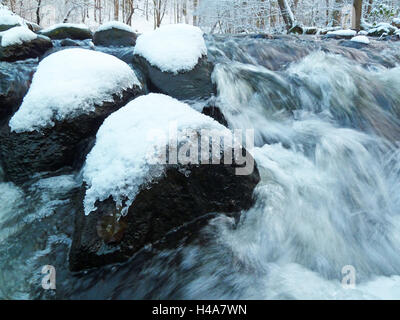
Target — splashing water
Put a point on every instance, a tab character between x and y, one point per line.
327	136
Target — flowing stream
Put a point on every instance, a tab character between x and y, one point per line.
327	131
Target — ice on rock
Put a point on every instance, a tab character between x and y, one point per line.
172	48
69	83
17	35
129	142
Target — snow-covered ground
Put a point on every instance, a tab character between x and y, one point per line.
172	48
53	94
17	35
131	140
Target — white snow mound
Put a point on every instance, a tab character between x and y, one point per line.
65	25
115	25
7	17
172	48
69	83
17	35
343	33
129	142
360	39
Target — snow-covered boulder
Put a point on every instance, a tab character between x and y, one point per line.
310	30
396	22
174	58
20	43
67	31
114	34
8	19
382	29
72	92
17	35
134	197
342	34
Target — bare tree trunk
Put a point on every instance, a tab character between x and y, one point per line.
287	14
184	11
159	12
131	12
369	8
327	11
261	16
116	10
195	5
356	16
178	13
39	3
13	5
337	13
100	16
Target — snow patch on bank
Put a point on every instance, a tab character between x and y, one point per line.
130	141
343	33
172	48
360	39
17	35
69	83
115	25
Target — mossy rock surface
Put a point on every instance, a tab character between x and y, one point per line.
69	32
4	27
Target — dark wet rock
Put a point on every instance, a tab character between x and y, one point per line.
353	44
64	145
15	79
296	30
114	37
261	36
68	32
29	49
216	114
69	43
188	85
33	26
311	30
175	207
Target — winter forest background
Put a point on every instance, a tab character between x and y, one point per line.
214	16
